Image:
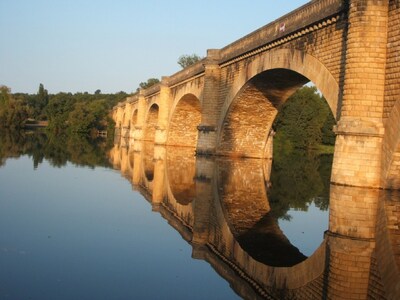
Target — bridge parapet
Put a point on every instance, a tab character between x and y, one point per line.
187	73
152	90
306	15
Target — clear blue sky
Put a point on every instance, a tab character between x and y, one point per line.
84	45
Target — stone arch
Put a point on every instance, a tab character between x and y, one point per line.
263	85
185	117
134	117
151	123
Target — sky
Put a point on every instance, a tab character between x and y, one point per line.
85	45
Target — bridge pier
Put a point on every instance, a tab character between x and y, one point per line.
360	130
159	175
204	198
137	166
211	108
141	115
163	114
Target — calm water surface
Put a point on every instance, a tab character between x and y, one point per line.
81	233
78	221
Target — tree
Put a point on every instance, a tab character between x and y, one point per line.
150	82
187	60
304	120
4	96
88	116
13	113
38	103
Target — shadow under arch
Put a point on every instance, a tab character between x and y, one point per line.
261	89
242	194
133	119
185	117
151	123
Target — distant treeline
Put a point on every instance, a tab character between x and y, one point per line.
57	149
76	113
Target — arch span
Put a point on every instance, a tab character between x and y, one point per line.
258	93
151	123
248	121
185	118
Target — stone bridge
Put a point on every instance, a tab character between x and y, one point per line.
220	206
226	103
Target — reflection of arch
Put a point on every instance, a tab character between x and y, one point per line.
151	123
244	201
185	118
148	161
115	157
181	169
258	93
124	161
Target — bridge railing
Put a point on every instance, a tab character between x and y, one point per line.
303	16
186	73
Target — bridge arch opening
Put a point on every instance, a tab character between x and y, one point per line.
249	118
151	123
248	122
123	119
183	124
249	129
134	119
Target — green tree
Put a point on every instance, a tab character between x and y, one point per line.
187	60
304	120
88	116
150	82
13	112
5	94
39	103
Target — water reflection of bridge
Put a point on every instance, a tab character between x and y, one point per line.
221	208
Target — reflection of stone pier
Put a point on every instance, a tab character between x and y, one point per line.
221	207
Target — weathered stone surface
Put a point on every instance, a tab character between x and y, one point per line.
225	104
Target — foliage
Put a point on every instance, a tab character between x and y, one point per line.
84	116
187	60
298	179
305	121
150	82
79	112
13	112
58	149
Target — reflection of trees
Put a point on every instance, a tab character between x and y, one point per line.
298	179
57	149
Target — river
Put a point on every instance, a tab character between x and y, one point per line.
130	220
